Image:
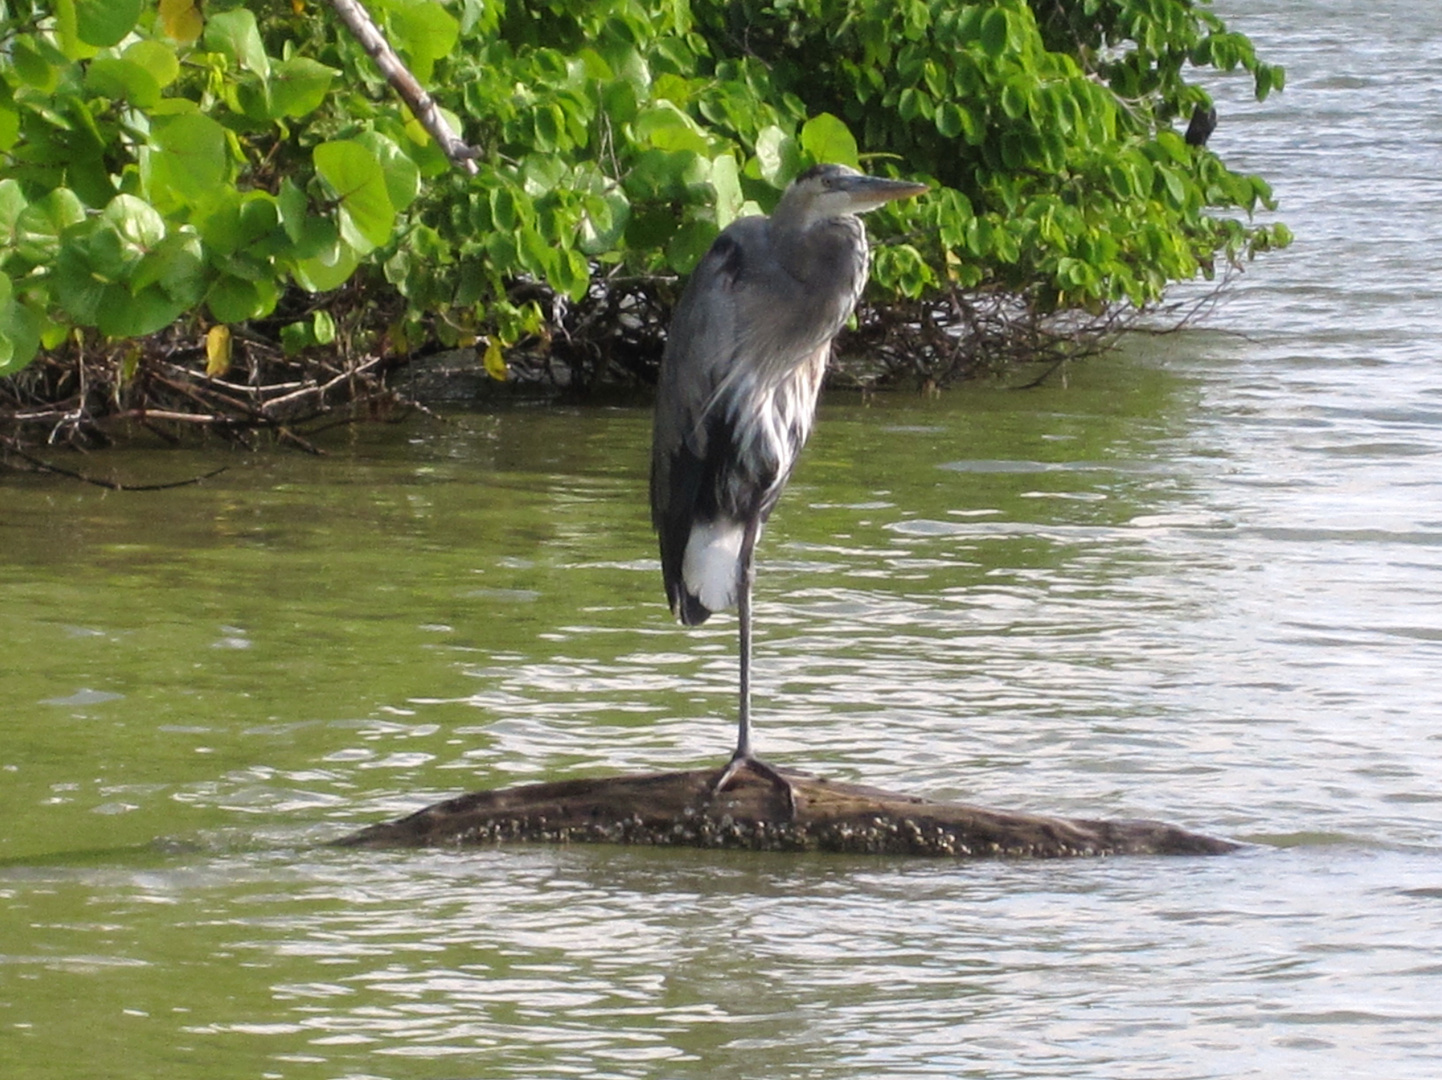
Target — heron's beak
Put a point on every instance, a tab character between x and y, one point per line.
869	192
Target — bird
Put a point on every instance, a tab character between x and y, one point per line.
742	367
1201	126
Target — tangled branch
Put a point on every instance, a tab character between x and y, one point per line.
78	395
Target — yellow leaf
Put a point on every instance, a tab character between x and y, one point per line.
495	363
181	19
217	351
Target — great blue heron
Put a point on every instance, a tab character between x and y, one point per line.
744	358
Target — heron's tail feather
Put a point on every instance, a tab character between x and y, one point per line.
687	607
710	570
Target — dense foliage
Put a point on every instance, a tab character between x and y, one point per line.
233	164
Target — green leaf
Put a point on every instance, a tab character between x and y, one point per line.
103	23
122	80
1268	77
39	225
9	126
323	328
504	255
828	139
19	330
12	202
1174	185
20	334
233	300
294	209
98	251
688	244
78	290
402	175
542	174
318	239
546	128
537	256
1014	99
218	220
37	62
156	58
296	336
509	208
257	221
191	160
177	265
1174	146
777	159
329	270
570	274
424	31
910	103
137	224
726	179
604	222
994	32
235	36
126	314
666	127
618	101
298	86
250	96
367	215
663	174
950	119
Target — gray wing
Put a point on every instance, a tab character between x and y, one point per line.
701	342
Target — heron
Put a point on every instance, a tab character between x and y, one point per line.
744	359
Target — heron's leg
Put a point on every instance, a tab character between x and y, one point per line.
743	619
743	757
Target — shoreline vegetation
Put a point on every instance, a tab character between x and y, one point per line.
229	222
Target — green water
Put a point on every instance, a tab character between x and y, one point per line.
1011	597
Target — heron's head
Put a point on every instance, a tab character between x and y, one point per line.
831	191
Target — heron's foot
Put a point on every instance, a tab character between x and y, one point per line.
739	763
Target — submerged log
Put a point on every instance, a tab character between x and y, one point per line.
678	809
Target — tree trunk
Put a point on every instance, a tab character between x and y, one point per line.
678	809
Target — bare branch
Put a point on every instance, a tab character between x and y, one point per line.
421	104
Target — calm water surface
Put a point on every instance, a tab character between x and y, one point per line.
1199	582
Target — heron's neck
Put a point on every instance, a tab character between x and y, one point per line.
829	251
